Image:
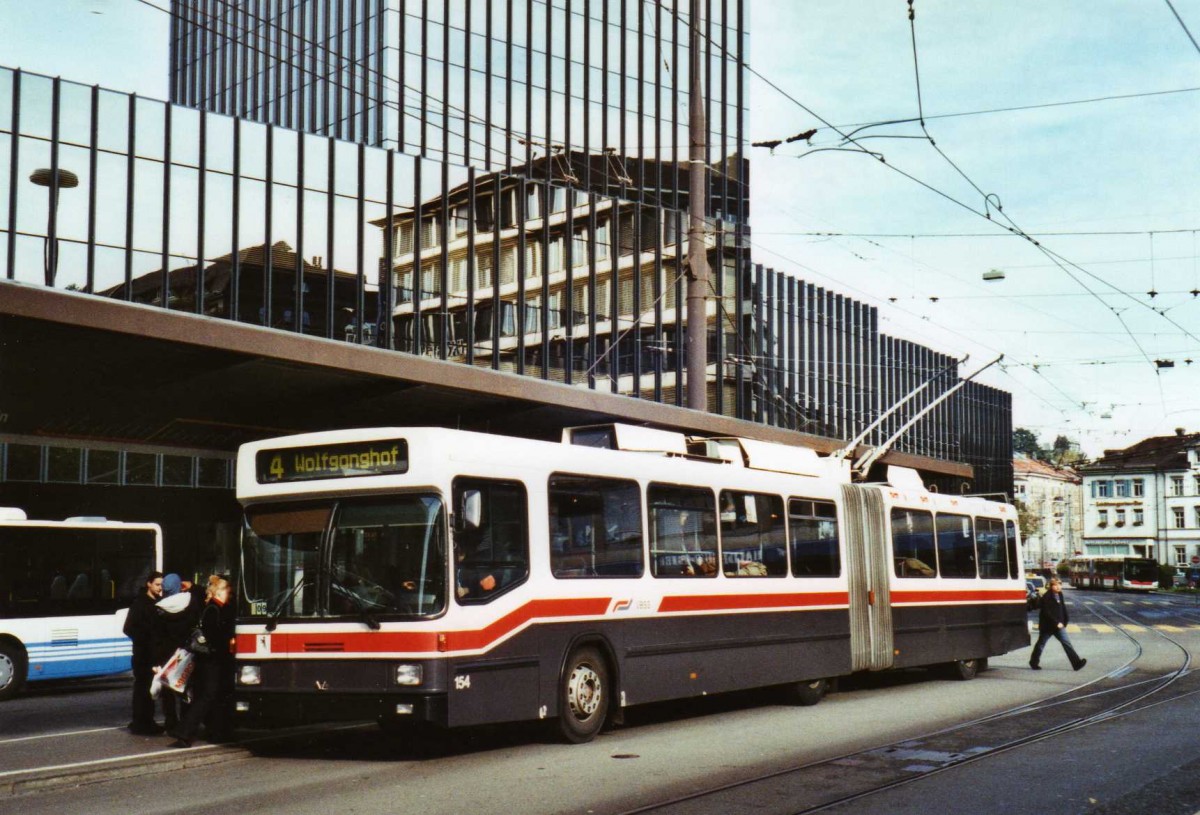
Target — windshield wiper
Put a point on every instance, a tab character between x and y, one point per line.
273	618
359	603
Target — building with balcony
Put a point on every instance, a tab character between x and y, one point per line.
1051	498
1144	500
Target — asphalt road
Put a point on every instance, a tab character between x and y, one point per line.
1139	762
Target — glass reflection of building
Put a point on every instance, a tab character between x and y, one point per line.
574	109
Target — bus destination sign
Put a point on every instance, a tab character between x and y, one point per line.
359	458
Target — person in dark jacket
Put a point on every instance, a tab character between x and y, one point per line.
139	627
176	615
212	681
1052	622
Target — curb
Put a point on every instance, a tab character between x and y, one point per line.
42	780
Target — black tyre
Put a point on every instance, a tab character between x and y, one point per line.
12	670
964	669
585	693
807	694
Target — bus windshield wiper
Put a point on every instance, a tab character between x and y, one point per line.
273	618
359	603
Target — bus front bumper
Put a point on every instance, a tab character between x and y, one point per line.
253	708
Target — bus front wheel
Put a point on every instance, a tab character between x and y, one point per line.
808	693
12	670
584	696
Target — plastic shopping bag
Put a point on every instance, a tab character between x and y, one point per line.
176	674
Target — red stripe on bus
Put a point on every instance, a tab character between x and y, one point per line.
730	602
367	642
974	595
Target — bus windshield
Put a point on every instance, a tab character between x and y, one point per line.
349	558
1143	571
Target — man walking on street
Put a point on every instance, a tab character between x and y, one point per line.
1052	622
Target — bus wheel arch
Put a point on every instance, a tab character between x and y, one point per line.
14	663
586	689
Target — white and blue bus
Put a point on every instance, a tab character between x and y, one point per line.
65	588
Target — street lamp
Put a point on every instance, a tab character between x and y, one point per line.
53	180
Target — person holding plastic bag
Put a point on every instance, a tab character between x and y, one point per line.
176	615
212	679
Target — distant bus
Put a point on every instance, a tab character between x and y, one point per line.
1128	573
65	588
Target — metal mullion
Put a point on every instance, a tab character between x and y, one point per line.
298	293
739	295
372	12
165	273
508	92
497	226
569	281
624	110
519	270
328	85
314	44
758	303
777	359
472	214
566	89
707	48
614	255
680	336
529	90
52	221
488	103
604	106
268	220
424	141
658	64
725	103
718	271
544	321
339	120
587	108
675	185
14	161
235	271
352	98
360	268
446	98
641	105
330	211
201	211
789	364
444	256
93	151
200	83
418	246
657	291
467	141
383	330
401	35
636	330
592	285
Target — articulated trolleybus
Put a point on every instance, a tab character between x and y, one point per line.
457	578
65	588
1123	573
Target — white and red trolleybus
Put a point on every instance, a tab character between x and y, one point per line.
1122	573
425	574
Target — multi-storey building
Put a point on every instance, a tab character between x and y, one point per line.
1144	500
1052	499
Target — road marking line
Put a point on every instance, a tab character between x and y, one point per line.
65	733
1131	627
1074	629
1170	629
1103	628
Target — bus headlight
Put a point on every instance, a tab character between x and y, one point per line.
407	674
250	675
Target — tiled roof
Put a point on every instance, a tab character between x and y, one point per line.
1024	466
1154	453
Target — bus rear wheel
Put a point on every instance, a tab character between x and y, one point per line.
807	694
964	669
12	670
584	696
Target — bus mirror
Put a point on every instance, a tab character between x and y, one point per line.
472	509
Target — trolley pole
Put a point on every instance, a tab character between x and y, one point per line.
697	295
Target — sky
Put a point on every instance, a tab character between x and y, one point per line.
1118	177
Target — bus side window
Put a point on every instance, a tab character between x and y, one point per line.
493	557
595	527
683	531
1010	541
814	530
989	538
753	540
956	545
912	543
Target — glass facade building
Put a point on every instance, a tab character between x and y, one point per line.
496	184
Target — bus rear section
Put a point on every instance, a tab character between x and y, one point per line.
65	588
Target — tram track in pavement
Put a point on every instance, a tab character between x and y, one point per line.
856	776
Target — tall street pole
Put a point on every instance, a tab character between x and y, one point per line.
697	287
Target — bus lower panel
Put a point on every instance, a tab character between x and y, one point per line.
928	635
268	709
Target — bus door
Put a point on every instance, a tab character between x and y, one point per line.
868	568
